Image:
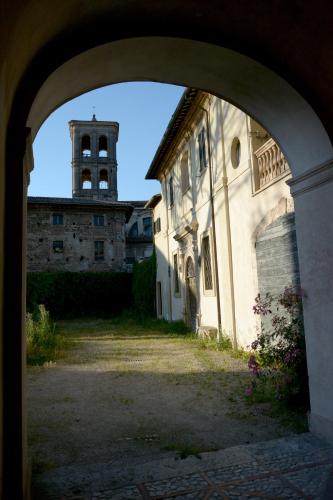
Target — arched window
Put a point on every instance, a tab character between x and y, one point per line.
103	182
102	147
86	179
85	146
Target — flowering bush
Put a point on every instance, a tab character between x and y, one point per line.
278	353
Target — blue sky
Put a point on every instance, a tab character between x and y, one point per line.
143	111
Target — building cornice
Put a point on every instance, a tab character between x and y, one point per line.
177	127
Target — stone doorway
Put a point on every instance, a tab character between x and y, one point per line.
191	295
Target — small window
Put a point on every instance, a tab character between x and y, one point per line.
159	298
157	225
98	220
175	275
235	152
207	263
58	219
202	150
171	191
58	246
99	250
147	226
133	232
185	180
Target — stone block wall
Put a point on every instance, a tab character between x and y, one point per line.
78	234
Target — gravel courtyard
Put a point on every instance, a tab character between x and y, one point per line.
128	394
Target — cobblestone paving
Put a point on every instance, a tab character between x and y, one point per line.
288	468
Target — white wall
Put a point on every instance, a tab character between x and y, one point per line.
235	203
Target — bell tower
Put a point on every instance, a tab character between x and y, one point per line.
94	159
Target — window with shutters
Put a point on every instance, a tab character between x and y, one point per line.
159	307
206	261
157	225
98	220
176	287
202	150
184	173
58	246
99	250
171	194
147	226
57	219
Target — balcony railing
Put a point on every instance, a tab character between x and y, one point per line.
271	163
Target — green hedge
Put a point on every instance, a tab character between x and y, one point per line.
144	286
69	294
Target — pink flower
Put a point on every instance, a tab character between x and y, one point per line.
248	391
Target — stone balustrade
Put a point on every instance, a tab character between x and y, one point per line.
271	162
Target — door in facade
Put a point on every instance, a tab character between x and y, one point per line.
191	296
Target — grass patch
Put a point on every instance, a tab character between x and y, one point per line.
265	393
43	343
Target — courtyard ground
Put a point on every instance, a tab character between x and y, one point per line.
126	394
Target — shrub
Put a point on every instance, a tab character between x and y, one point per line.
43	344
144	287
278	356
70	294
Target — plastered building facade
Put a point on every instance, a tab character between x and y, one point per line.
224	222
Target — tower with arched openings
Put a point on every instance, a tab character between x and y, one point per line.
94	159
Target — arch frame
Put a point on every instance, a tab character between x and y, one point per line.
20	131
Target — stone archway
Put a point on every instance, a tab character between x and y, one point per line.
54	56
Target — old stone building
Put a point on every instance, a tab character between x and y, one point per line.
92	231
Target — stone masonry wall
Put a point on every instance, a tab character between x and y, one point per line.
78	234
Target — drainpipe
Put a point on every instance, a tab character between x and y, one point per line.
211	197
228	231
168	247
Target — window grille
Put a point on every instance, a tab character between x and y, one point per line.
175	274
98	220
58	219
207	264
202	150
58	246
99	250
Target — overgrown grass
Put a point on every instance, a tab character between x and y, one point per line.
43	343
127	323
294	418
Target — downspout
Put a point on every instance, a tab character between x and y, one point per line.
168	247
228	230
211	197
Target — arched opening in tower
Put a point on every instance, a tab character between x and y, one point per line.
85	146
86	179
103	179
103	147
